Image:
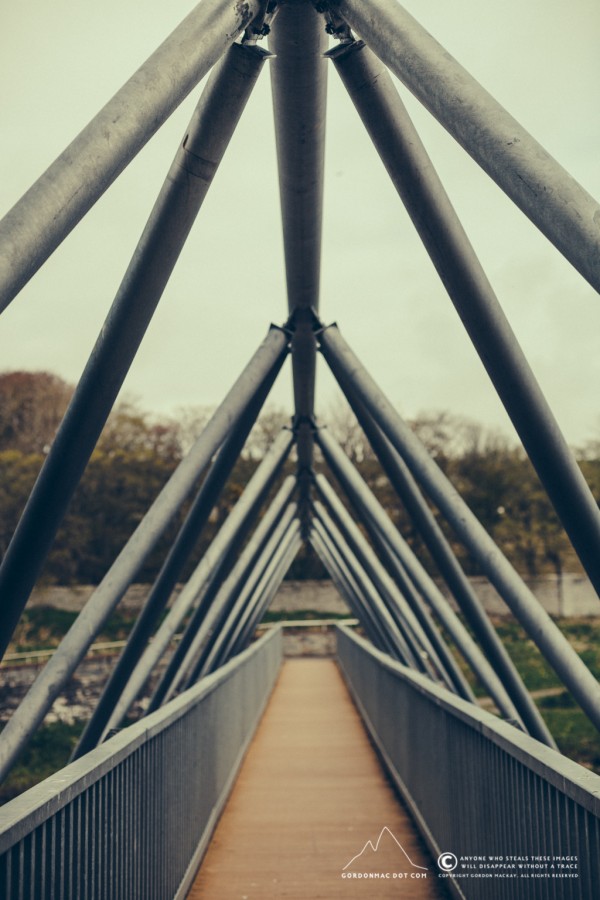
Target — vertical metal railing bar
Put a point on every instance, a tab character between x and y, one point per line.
414	176
262	596
362	611
386	535
543	190
238	592
389	635
184	603
299	89
75	643
235	590
44	216
169	224
540	627
172	566
423	519
422	653
239	527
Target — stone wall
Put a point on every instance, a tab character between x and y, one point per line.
572	595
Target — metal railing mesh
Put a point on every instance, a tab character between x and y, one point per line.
132	818
476	786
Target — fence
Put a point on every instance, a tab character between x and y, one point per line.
497	808
132	818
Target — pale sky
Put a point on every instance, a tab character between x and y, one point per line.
61	61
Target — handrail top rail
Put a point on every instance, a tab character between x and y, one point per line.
571	778
21	815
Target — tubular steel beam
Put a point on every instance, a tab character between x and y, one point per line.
384	533
544	191
552	643
425	522
298	78
178	555
412	626
195	587
335	553
266	594
415	179
351	544
209	637
114	584
236	528
216	649
172	217
44	216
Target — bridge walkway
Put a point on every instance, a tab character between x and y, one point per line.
310	794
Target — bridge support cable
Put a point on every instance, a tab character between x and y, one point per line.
164	236
208	638
208	578
393	630
536	183
354	593
414	177
216	651
299	87
111	589
441	552
265	595
60	198
552	643
175	560
414	580
429	650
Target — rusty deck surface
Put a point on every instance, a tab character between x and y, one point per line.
309	798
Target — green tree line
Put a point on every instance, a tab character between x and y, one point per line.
138	451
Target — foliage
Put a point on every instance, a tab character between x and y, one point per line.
47	752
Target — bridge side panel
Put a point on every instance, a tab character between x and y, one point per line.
477	786
133	817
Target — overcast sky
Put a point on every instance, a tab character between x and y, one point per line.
61	61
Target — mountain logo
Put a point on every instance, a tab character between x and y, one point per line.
385	838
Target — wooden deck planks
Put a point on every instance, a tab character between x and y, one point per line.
310	795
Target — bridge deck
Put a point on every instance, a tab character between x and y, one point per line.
310	795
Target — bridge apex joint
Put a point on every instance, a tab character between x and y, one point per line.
335	25
260	26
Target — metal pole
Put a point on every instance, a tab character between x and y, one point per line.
443	555
299	86
209	638
543	190
428	657
195	587
215	651
169	224
112	587
178	555
416	180
44	216
538	624
373	514
259	551
351	546
266	596
239	526
354	591
341	584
